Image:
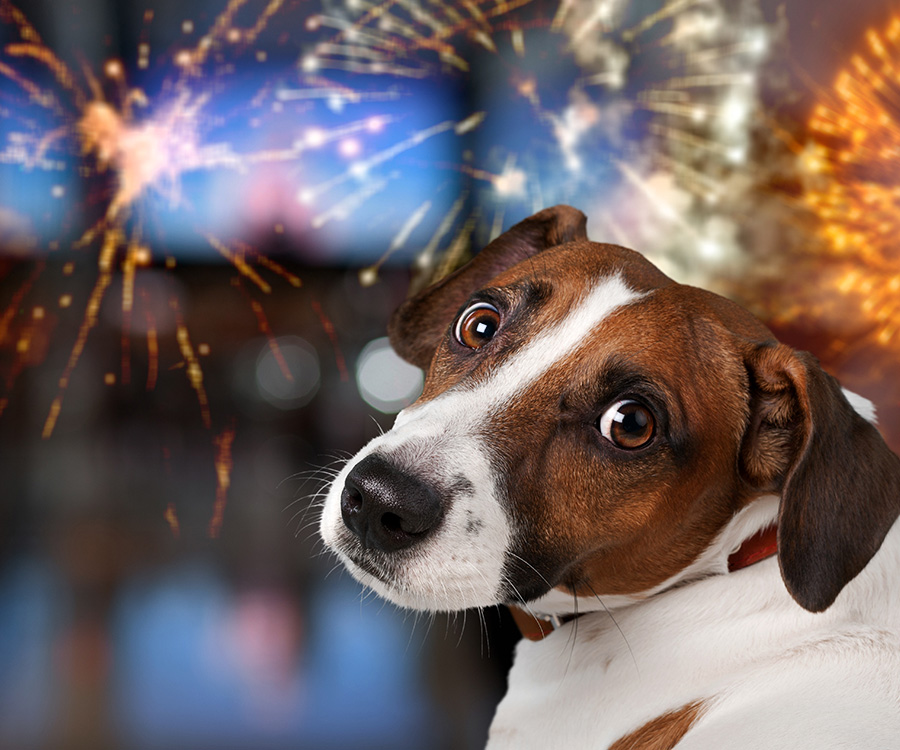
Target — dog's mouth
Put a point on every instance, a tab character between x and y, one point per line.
371	562
368	566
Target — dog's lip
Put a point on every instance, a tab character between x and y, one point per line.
362	560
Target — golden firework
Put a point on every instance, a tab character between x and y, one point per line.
854	179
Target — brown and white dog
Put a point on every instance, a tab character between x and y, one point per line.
596	439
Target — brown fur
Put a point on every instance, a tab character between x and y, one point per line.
663	732
841	494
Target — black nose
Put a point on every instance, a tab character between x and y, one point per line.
387	508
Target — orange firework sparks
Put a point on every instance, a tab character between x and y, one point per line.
263	323
293	280
105	265
16	302
192	363
152	346
237	259
328	326
22	347
171	517
224	465
853	182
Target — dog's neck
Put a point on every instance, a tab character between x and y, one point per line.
762	545
750	537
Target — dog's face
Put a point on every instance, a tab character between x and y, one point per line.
586	425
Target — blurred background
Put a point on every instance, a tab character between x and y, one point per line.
208	211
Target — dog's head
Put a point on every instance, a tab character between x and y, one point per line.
589	425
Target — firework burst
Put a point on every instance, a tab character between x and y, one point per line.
127	150
643	116
146	147
851	169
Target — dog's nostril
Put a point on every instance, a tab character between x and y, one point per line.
393	523
351	500
353	510
399	526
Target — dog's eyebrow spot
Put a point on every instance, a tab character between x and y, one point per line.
473	525
460	485
598	382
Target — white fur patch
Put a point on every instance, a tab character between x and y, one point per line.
862	406
536	358
461	565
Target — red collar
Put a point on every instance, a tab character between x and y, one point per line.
758	547
535	628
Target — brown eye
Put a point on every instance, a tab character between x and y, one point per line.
627	424
477	325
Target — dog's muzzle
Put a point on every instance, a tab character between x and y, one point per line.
386	508
417	516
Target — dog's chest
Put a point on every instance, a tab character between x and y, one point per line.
597	679
589	684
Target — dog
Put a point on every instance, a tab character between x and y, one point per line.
693	521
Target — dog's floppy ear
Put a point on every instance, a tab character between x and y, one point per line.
840	483
418	325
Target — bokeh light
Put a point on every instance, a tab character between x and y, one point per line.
385	381
287	372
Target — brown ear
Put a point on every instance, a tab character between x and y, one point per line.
840	483
418	325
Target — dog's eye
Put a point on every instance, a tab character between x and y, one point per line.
627	424
477	325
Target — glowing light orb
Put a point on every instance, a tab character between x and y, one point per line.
350	148
385	381
302	363
314	137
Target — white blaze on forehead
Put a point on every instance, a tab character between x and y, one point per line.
538	355
555	344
